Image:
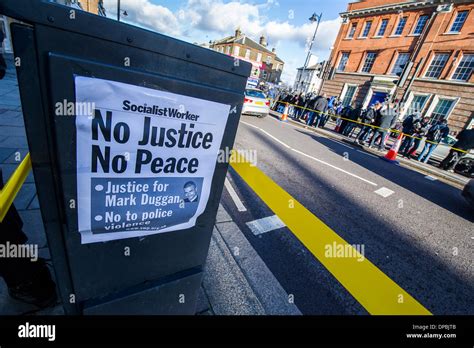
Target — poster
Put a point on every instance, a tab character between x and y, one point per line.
145	158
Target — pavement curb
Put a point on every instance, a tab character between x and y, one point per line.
450	179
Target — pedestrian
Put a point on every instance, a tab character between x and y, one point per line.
434	136
420	130
353	117
345	114
465	142
409	126
321	108
388	117
368	119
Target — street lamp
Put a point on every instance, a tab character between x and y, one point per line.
312	19
120	11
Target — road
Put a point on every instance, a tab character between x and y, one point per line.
417	231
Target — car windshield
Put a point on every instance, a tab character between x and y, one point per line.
254	93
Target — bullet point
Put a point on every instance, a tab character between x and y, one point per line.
99	187
98	218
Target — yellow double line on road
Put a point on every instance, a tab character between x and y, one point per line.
374	290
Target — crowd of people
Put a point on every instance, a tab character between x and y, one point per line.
375	124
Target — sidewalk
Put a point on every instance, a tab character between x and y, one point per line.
236	281
451	178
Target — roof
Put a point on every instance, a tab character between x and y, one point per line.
246	41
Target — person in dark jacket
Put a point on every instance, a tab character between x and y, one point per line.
420	130
369	118
320	107
388	117
465	142
435	134
353	117
409	126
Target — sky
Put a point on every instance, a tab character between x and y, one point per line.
285	23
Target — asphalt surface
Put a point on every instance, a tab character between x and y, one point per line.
421	235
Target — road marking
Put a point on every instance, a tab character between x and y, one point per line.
313	158
341	143
337	168
373	289
264	225
238	203
429	177
366	153
384	192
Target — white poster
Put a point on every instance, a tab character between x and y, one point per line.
145	158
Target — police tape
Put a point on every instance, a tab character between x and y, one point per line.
369	125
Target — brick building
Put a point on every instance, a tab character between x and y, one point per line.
266	65
419	52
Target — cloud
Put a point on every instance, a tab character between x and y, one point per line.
146	14
201	20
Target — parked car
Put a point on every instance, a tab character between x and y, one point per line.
468	192
255	103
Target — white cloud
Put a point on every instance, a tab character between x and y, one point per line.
146	14
201	20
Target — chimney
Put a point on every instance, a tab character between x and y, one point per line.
237	32
263	41
273	50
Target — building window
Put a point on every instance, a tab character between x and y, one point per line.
420	25
458	22
343	61
369	62
247	54
400	26
441	110
437	65
366	30
464	70
269	60
236	51
383	27
349	95
417	104
400	63
352	30
259	57
227	50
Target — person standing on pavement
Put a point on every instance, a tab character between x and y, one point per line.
465	142
421	129
434	136
409	126
353	117
320	107
388	117
369	118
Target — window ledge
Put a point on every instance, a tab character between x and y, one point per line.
395	35
452	33
361	38
414	35
377	37
348	38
